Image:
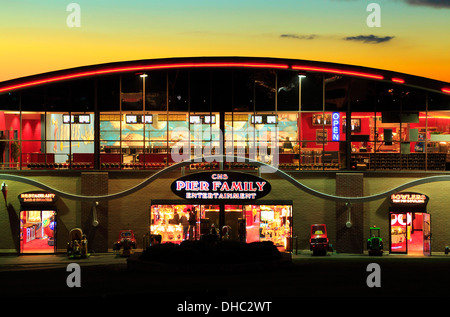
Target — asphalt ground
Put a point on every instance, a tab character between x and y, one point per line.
309	279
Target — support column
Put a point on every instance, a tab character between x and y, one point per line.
95	184
349	230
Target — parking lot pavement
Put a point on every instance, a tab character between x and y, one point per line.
36	261
309	277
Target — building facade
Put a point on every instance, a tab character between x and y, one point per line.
99	148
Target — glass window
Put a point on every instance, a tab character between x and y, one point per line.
175	223
200	90
269	223
222	90
438	101
110	139
243	91
37	231
156	91
10	101
9	139
264	99
82	94
312	92
178	90
108	93
287	91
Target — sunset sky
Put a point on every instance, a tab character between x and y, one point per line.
414	36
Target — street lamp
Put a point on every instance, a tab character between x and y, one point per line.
300	136
143	76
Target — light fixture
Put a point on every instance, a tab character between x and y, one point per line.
103	71
337	71
398	80
95	222
348	224
5	192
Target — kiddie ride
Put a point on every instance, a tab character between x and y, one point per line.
375	243
126	243
318	243
77	245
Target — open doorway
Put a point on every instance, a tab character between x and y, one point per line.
245	223
37	231
410	233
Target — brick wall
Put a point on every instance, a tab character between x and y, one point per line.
67	210
133	211
307	209
350	239
95	184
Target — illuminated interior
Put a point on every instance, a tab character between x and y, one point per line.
37	231
175	223
127	121
247	223
410	233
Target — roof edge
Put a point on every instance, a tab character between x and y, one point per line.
223	62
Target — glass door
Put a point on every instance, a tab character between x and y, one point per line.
399	232
426	234
37	231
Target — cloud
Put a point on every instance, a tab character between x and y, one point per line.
430	3
299	37
372	39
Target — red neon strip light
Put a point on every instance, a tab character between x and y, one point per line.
398	80
446	90
338	71
140	68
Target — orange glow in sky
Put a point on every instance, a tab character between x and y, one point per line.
411	38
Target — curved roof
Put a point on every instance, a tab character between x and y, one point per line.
302	66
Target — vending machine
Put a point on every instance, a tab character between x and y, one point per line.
409	224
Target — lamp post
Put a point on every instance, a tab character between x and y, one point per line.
300	135
143	76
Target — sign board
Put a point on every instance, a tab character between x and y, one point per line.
37	197
335	121
220	187
409	199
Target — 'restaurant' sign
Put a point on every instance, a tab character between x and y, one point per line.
37	197
409	199
220	187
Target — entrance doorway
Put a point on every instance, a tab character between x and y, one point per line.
37	222
245	223
37	231
410	233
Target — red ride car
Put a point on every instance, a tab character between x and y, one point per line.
126	241
318	243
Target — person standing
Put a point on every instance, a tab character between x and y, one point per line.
185	223
192	223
